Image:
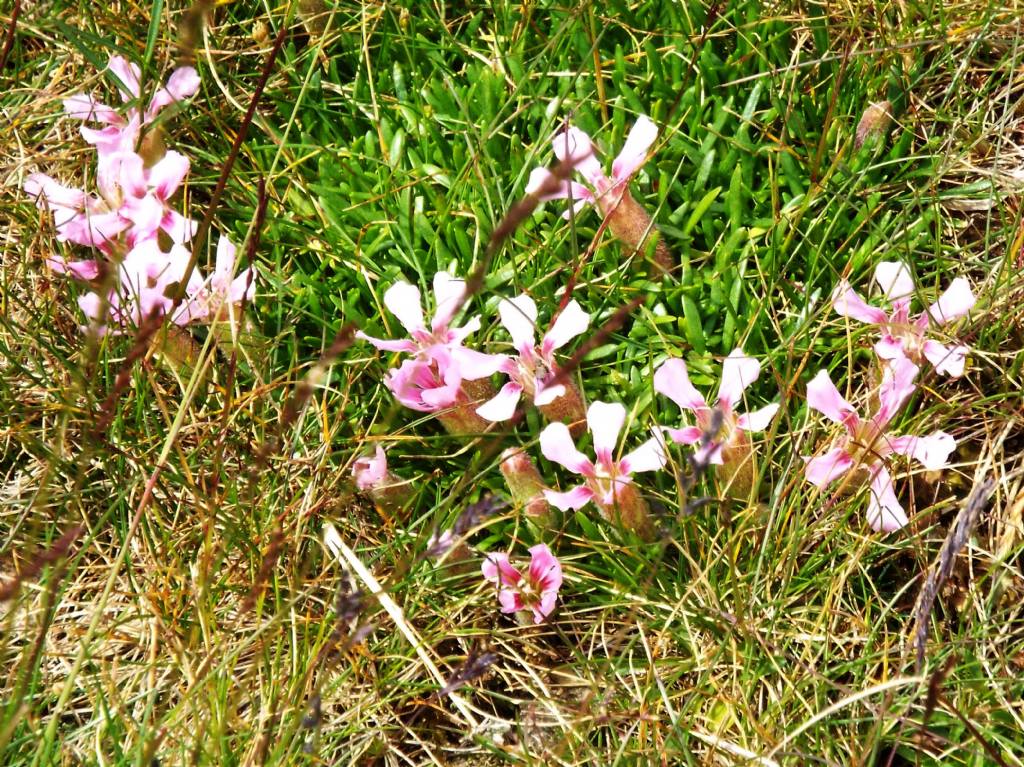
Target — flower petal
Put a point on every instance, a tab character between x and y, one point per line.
545	570
738	372
688	435
128	75
650	456
502	406
605	420
575	144
497	569
897	385
547	186
946	359
894	279
634	151
847	303
448	293
885	514
932	451
673	380
474	365
823	396
370	471
183	82
576	498
166	175
403	300
519	316
572	321
890	348
954	303
84	107
822	469
758	420
556	444
80	270
387	345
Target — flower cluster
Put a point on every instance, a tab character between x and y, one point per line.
140	237
863	452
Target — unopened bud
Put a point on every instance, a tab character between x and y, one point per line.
875	121
632	226
630	511
525	485
568	408
461	419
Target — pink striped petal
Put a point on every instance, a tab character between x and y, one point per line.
673	380
166	175
128	75
688	435
497	569
897	386
572	322
183	82
403	301
825	468
519	316
823	396
848	303
650	456
556	444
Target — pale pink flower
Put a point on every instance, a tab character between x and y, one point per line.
738	372
122	132
147	277
427	383
901	336
535	365
606	478
132	204
404	301
222	288
867	445
606	192
370	471
536	590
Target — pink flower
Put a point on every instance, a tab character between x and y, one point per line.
403	299
866	445
536	591
901	336
738	372
148	276
535	366
222	288
122	133
607	479
427	385
603	191
370	472
132	202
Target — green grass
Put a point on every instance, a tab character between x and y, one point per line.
774	630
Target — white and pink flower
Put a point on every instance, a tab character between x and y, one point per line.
122	133
535	591
606	480
901	336
405	302
530	372
738	372
867	446
575	145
